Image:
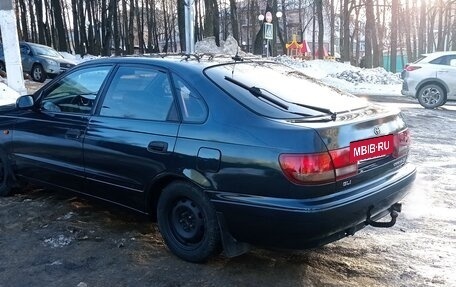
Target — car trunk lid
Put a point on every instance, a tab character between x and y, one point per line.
361	145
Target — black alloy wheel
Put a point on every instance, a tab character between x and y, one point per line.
188	222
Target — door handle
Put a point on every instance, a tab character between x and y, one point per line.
73	134
157	146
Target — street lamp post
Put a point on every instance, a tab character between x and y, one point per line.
268	27
11	47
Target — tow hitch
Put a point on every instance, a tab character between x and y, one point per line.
393	210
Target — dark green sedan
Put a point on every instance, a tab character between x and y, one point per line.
223	154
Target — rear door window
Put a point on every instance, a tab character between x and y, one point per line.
193	107
444	60
140	93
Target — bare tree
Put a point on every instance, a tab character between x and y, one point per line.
332	25
211	20
407	28
369	34
319	10
394	18
422	28
234	20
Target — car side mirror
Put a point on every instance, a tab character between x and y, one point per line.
453	62
25	102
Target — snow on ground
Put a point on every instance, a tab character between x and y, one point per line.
355	80
78	58
7	95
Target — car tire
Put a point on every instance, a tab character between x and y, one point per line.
431	96
38	74
5	176
188	223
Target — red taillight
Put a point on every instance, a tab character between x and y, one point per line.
411	68
318	168
343	167
401	143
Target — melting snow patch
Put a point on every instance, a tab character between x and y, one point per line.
371	76
229	47
66	216
59	241
57	262
348	78
7	95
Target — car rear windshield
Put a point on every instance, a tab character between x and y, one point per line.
278	91
421	58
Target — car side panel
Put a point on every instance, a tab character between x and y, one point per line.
448	75
120	163
6	136
48	148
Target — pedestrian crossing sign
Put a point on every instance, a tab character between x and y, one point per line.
268	31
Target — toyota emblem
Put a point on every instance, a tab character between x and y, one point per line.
376	131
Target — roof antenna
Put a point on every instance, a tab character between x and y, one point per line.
236	58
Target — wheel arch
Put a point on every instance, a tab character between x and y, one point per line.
156	188
37	63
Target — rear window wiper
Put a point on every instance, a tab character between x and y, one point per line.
257	93
318	109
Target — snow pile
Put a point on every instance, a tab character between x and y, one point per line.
7	95
229	47
372	76
320	69
317	69
348	78
78	58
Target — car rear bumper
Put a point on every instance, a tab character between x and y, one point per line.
306	223
406	90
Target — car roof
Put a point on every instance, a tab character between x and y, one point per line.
35	45
438	54
167	61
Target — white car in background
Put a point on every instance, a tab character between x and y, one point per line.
431	79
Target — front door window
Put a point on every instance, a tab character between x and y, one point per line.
75	93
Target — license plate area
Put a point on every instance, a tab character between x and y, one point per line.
371	148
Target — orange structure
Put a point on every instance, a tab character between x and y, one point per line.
294	48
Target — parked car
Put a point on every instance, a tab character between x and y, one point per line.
431	79
39	61
223	155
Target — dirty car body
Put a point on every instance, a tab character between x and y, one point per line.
224	155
